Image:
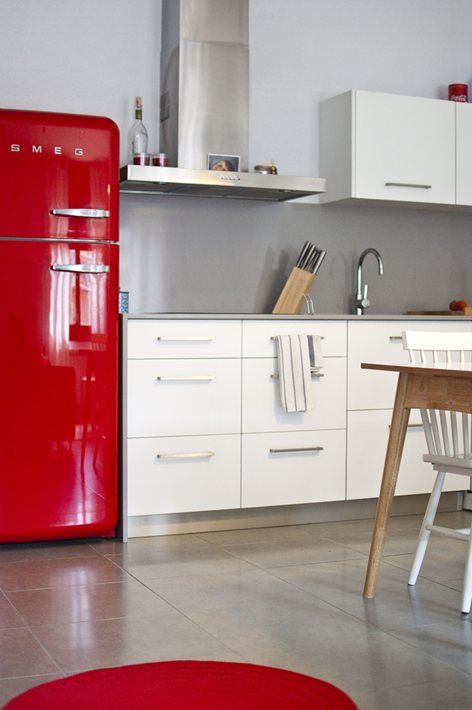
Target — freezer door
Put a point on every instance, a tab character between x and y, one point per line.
58	373
59	176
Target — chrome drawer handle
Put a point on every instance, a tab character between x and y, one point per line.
302	449
185	338
394	338
82	268
186	378
80	212
408	184
314	373
189	455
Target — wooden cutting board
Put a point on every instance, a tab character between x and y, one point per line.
466	312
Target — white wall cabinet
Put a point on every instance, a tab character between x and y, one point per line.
464	153
377	146
206	430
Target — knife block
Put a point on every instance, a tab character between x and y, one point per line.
297	285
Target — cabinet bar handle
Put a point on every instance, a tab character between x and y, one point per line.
408	184
189	455
394	338
297	450
185	378
275	375
186	338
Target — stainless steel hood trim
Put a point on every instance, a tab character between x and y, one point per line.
208	183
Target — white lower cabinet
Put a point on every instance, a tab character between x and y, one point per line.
262	410
367	436
293	467
183	474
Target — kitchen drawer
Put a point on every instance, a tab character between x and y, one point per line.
180	403
262	410
285	478
183	338
257	335
367	437
381	342
183	474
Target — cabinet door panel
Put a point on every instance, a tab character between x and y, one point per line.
183	338
380	341
287	477
404	148
173	474
184	397
367	438
262	410
258	336
464	153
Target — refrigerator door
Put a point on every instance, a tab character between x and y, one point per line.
59	176
58	369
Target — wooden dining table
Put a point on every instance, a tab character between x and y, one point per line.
419	387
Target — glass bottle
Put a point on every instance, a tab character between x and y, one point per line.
138	136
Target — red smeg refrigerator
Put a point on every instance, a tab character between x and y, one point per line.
58	325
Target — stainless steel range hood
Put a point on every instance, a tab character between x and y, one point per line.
205	108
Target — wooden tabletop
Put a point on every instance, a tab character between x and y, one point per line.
455	370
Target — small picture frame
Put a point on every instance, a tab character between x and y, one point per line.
225	163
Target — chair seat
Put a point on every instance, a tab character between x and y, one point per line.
461	461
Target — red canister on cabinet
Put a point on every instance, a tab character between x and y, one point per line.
457	92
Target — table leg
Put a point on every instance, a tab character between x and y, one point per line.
400	417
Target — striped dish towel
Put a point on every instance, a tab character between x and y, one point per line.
299	356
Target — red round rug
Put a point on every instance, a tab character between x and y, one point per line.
193	685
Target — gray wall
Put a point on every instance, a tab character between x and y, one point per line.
188	254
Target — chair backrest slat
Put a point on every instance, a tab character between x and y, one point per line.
451	349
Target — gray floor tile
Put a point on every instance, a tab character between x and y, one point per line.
450	695
45	550
398	542
395	606
11	687
275	534
322	642
296	552
449	642
145	545
444	559
84	603
36	574
225	589
201	558
9	617
21	655
115	642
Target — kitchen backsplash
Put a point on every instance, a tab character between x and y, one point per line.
197	255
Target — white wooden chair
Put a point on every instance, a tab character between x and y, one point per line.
448	438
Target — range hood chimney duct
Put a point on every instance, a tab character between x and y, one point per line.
204	81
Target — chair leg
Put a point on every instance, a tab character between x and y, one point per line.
467	592
424	535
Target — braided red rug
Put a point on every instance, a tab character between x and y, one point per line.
193	685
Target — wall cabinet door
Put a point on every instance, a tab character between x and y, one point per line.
464	153
293	467
367	436
378	146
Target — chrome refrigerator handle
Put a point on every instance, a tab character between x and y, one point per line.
80	212
82	268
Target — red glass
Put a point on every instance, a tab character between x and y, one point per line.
458	92
160	159
59	374
141	159
52	161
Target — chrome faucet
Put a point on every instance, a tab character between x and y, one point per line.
362	302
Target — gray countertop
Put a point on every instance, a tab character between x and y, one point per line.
271	316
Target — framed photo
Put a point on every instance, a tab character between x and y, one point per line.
226	163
